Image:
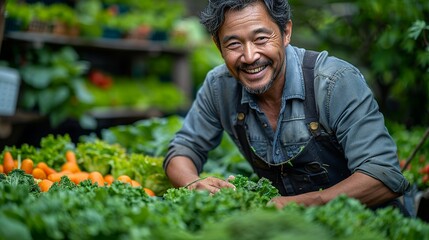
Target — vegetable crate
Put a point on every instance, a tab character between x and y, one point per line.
9	89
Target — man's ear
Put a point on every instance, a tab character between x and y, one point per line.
287	33
216	43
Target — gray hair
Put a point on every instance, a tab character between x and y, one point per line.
213	16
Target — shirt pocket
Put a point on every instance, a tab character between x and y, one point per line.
294	138
260	147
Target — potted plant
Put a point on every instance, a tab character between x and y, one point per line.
54	85
64	20
18	16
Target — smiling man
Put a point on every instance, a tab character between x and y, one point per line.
307	121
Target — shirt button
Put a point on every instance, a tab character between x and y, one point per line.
265	125
277	152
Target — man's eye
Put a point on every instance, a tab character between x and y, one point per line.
233	45
261	39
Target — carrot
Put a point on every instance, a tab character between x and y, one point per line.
96	177
70	166
109	179
78	177
1	168
56	177
71	156
48	170
134	183
8	162
38	173
124	178
149	192
45	185
27	165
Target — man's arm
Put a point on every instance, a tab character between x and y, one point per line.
367	189
182	172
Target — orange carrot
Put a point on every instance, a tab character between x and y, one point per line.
109	179
45	185
48	170
134	183
27	165
38	173
70	166
56	177
149	192
71	156
78	177
124	178
96	177
8	162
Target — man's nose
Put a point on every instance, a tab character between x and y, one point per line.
250	53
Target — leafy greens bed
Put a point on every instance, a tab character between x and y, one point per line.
87	211
121	211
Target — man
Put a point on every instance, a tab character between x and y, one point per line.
313	144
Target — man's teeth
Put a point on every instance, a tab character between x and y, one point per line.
255	70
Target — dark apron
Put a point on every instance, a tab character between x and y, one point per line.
320	165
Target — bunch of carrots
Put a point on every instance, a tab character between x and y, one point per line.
46	176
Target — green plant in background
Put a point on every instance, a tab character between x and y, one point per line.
88	14
151	137
408	140
92	17
384	40
54	85
139	94
128	15
18	17
27	14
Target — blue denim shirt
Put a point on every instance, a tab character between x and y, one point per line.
344	101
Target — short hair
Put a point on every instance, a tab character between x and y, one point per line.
213	16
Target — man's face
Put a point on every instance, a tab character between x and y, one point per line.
252	47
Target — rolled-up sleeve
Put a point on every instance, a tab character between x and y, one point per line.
201	130
353	113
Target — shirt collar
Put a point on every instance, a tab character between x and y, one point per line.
294	86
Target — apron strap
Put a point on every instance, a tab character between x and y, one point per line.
312	116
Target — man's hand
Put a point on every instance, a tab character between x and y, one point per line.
366	189
211	184
307	199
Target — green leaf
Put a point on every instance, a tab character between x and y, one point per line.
28	99
87	122
415	30
58	116
52	98
37	76
82	93
13	229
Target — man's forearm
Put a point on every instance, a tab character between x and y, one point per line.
181	171
368	190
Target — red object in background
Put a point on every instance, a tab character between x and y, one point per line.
100	79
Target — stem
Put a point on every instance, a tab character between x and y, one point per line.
413	154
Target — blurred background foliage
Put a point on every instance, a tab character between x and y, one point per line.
386	39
